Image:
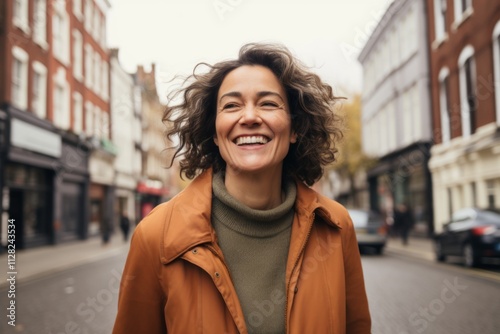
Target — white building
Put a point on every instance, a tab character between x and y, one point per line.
126	129
396	113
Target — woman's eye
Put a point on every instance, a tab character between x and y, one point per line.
230	107
269	105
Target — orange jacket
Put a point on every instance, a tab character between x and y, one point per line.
176	281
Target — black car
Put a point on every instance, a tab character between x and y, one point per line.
370	229
473	234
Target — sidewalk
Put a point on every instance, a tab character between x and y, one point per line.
421	248
41	261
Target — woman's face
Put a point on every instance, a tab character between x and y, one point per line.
253	126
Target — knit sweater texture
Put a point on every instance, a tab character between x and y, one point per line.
255	247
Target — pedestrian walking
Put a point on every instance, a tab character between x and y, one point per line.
403	221
125	225
248	246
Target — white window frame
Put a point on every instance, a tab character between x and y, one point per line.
20	15
496	69
461	14
96	27
467	52
40	23
60	35
77	55
88	15
97	74
41	104
444	105
89	119
77	9
21	100
439	22
105	81
105	124
97	122
77	112
89	63
61	106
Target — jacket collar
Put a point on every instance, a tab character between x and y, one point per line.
188	223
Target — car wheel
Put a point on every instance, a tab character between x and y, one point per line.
440	257
470	256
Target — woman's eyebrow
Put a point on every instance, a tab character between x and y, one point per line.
259	94
230	94
266	93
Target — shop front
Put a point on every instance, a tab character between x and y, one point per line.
404	178
150	193
44	180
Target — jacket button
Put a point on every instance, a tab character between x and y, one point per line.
195	251
217	274
295	290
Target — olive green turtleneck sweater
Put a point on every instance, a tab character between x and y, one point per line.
255	247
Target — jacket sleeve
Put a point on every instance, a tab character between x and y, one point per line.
141	300
358	314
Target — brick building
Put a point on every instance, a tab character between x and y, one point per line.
54	115
465	65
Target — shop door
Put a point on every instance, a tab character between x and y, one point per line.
72	214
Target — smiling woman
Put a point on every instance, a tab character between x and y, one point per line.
248	247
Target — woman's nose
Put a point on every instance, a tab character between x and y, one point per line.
250	115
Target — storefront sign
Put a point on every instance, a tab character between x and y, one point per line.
33	138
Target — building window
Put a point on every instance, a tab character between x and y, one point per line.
496	69
77	9
463	9
468	103
39	96
89	119
440	9
105	124
97	74
20	15
60	32
40	23
88	15
444	105
105	81
19	89
61	111
77	112
97	123
88	65
77	55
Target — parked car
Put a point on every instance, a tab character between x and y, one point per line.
370	229
473	234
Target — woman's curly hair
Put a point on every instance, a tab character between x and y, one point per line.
311	104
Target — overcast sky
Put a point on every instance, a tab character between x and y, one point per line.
325	34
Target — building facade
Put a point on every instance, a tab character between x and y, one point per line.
44	85
153	188
465	76
396	113
127	134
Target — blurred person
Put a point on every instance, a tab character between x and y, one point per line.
403	221
125	225
248	246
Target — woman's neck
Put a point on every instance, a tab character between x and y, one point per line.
261	191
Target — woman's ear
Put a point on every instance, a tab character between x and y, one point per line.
216	141
293	137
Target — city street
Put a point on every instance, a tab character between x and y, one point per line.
406	296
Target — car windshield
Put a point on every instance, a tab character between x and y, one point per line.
359	218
